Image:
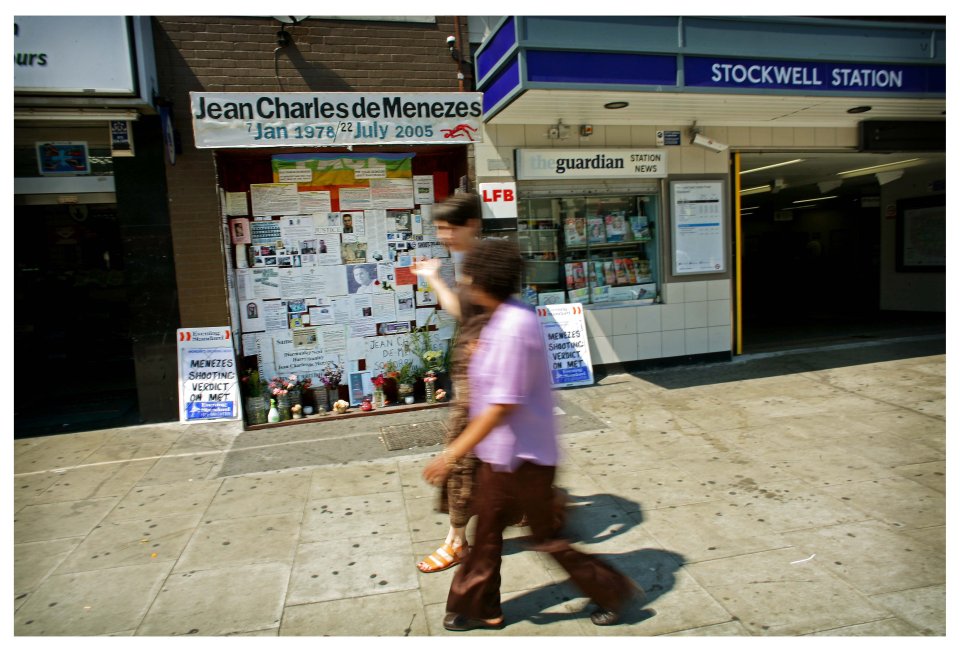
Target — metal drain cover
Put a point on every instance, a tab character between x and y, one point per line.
413	435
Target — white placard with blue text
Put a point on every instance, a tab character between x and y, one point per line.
207	375
317	119
568	351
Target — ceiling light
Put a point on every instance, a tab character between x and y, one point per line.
775	165
755	190
859	109
616	105
749	208
877	168
804	201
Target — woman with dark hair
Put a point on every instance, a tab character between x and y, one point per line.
511	431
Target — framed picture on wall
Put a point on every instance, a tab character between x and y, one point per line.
922	234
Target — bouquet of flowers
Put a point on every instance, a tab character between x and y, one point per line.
433	360
332	374
378	381
430	376
281	386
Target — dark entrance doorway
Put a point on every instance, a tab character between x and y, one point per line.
811	263
73	360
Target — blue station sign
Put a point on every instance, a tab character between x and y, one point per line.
711	72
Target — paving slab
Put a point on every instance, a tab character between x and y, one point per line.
241	541
219	601
396	614
77	604
75	518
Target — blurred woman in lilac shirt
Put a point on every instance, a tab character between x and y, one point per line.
512	432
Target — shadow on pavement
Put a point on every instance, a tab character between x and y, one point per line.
766	365
654	570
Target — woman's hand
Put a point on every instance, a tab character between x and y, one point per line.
435	473
429	269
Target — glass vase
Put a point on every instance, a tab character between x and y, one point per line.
429	386
256	409
379	398
283	406
295	396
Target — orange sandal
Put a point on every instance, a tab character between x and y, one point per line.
445	557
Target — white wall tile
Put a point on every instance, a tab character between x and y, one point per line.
672	343
601	351
695	314
624	321
720	338
719	289
695	291
761	136
599	323
672	292
718	312
625	347
649	346
696	340
671	316
648	318
536	136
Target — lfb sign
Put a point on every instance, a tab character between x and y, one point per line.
498	199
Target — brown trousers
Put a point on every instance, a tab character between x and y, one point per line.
500	499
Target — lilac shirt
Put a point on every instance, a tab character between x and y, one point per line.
509	366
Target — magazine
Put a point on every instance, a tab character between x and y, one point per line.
616	227
609	275
596	230
620	270
640	227
574	231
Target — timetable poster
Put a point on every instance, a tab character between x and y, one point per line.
698	210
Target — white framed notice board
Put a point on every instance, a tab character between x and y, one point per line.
698	207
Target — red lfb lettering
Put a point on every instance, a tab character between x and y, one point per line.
497	194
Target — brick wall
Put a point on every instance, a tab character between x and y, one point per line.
236	54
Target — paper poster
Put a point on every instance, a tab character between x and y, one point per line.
355	199
391	193
406	311
327	223
266	283
314	202
360	386
295	231
404	276
376	236
275	315
265	234
305	338
333	337
322	315
424	315
423	188
292	283
251	315
352	222
236	203
274	199
384	307
361	279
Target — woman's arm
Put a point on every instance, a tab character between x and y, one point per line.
436	471
430	270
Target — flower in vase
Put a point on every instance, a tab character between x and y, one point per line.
440	395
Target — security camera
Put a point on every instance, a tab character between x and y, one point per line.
451	41
709	143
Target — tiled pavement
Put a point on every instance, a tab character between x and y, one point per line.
791	495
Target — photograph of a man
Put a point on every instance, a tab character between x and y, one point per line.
347	223
361	279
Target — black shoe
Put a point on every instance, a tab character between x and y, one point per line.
461	623
604	617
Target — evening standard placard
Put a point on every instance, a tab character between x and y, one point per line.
207	372
568	351
317	119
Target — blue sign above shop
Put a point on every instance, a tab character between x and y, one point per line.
709	72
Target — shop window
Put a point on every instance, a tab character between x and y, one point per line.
590	250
